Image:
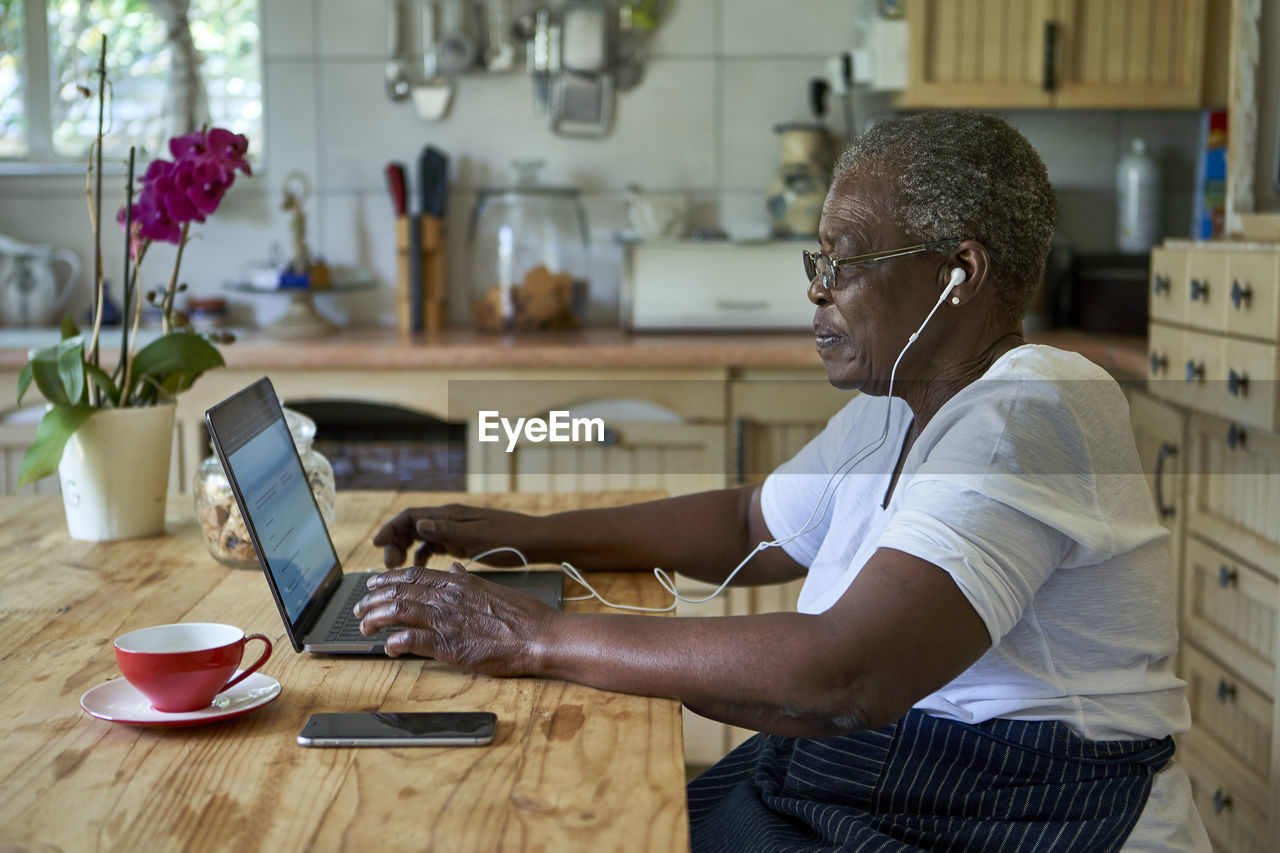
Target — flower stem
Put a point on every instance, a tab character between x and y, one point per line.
128	240
98	295
166	308
125	366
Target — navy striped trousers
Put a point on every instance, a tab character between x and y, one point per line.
927	783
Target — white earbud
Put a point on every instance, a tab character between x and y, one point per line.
958	277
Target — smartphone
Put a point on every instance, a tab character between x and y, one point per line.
450	728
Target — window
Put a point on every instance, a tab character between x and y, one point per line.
49	51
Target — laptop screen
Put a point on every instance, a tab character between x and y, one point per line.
290	531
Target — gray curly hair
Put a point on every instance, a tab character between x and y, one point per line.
966	174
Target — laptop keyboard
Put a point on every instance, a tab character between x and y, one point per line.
347	628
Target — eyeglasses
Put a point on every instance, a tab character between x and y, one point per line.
821	264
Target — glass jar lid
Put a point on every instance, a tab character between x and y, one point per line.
527	183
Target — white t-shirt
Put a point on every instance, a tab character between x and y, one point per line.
1027	490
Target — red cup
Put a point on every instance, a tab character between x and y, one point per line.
183	667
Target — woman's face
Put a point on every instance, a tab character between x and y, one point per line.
863	324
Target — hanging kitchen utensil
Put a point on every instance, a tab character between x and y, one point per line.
396	75
432	96
500	53
582	94
456	49
539	60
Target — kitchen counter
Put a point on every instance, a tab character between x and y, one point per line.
594	348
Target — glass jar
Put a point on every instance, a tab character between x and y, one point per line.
527	255
799	187
225	534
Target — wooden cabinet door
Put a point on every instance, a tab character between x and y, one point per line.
1160	431
1108	54
978	53
677	458
1130	53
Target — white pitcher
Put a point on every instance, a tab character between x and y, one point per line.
31	293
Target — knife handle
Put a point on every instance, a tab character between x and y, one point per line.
396	186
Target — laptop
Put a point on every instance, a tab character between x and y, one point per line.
289	535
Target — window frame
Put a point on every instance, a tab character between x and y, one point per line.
37	101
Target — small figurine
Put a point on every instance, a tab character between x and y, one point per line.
296	190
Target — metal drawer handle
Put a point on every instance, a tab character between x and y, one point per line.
1226	691
1235	436
1199	290
1195	371
1166	450
1159	363
1221	801
1228	577
1160	284
1240	294
1237	384
731	305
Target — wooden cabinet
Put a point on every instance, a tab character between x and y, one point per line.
1214	337
1144	54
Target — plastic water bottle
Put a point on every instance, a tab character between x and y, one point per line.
1138	193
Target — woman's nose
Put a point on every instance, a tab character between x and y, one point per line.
818	293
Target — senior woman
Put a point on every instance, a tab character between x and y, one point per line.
982	657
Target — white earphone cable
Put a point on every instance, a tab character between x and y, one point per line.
812	522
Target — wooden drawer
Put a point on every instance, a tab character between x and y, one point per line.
1203	371
1235	820
1229	610
1207	290
1229	712
1168	301
1165	363
1234	490
1247	388
1253	295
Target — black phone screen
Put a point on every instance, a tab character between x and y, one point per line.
434	728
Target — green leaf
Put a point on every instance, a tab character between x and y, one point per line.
175	353
179	352
24	381
69	328
104	383
49	381
44	454
71	369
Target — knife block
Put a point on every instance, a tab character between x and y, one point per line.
420	276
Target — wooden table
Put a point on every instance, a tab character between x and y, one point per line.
571	768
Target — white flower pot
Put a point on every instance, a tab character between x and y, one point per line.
115	473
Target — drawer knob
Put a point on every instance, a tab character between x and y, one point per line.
1195	370
1235	436
1221	801
1160	284
1228	577
1199	290
1226	691
1159	363
1240	294
1237	384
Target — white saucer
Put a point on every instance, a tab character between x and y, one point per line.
119	701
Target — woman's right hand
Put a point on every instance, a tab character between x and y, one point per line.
456	530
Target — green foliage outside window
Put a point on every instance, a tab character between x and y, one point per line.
225	32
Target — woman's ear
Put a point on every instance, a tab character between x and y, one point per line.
969	269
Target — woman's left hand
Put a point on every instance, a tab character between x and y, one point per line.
458	618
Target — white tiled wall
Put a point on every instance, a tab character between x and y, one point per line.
722	73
